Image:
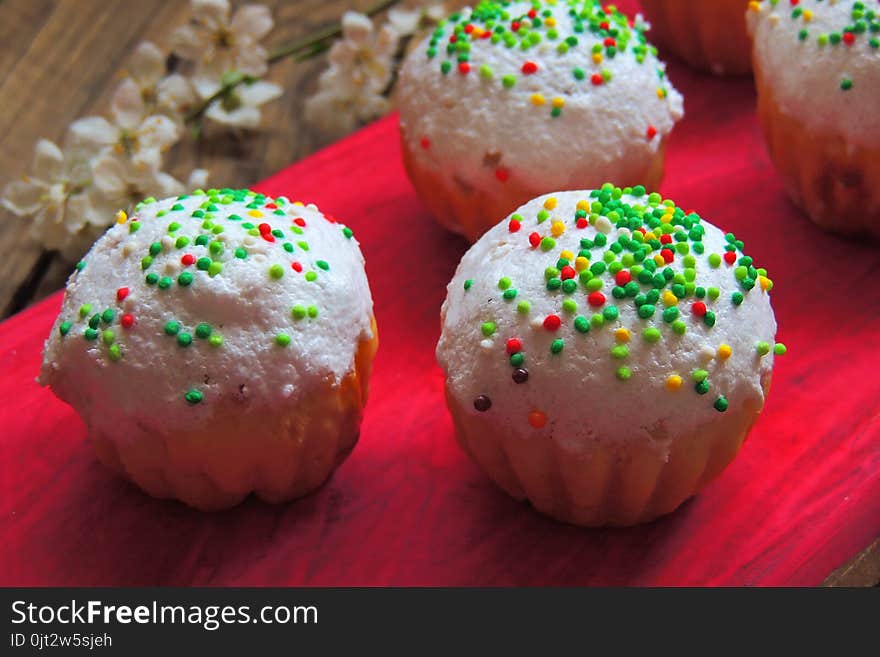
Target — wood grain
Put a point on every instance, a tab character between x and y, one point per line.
61	59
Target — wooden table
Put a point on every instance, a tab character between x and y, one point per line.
60	60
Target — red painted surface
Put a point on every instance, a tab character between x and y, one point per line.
408	508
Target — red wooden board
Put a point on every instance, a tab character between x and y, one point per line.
408	508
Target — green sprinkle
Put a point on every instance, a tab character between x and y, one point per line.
581	324
282	339
108	315
523	307
504	282
151	279
651	335
846	84
90	334
557	345
323	265
203	330
569	306
623	373
517	359
488	329
311	276
108	336
146	261
193	397
214	268
114	353
509	294
298	312
779	349
181	241
85	309
172	328
165	282
240	253
702	387
155	248
64	327
276	272
184	339
763	348
215	340
736	298
185	278
508	81
679	327
468	283
203	263
620	351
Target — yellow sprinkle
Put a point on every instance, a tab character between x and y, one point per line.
550	22
537	100
568	255
661	93
255	213
754	5
808	15
621	335
650	236
766	283
583	205
298	203
673	382
557	228
658	260
581	263
669	299
724	351
597	58
121	217
558	102
550	202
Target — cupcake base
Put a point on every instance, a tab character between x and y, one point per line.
834	182
279	454
470	211
709	36
620	483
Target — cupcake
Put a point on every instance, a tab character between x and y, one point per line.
817	70
606	353
218	344
513	99
710	36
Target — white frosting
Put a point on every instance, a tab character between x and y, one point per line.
242	303
578	389
475	125
805	77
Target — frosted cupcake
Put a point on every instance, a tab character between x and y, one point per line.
606	354
817	70
216	345
512	99
708	35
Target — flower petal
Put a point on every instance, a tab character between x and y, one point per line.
242	117
404	21
158	132
175	94
191	43
356	27
109	176
127	105
252	59
48	161
198	178
147	64
254	21
259	92
92	134
23	197
213	14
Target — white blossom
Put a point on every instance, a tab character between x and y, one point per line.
140	139
53	196
240	107
350	90
148	89
218	44
120	183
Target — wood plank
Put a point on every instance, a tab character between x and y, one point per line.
862	570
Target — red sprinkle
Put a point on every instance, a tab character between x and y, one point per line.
121	293
265	228
567	272
849	38
604	25
127	320
514	346
582	223
622	277
596	299
299	221
609	41
187	259
515	26
269	237
464	68
295	266
426	143
529	67
453	39
730	257
666	238
532	13
668	255
699	308
271	206
552	322
651	132
597	79
502	174
534	240
513	226
468	28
